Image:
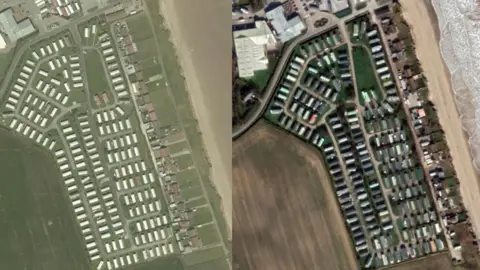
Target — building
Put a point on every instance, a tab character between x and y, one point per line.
251	46
12	29
285	29
3	43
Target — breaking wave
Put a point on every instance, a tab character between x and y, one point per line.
459	23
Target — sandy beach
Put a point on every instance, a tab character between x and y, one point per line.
422	19
204	49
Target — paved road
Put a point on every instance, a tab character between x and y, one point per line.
21	50
268	92
311	32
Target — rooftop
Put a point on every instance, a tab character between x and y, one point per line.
251	46
14	30
286	29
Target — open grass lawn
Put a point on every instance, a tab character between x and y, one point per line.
365	73
96	76
260	78
167	116
196	202
215	264
203	256
178	147
202	216
139	27
170	263
37	228
5	59
284	206
208	234
191	192
184	161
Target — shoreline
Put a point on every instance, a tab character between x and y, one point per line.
202	100
426	34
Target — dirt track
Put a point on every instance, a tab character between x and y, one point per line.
196	25
425	32
285	213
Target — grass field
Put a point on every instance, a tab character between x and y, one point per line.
178	147
202	256
171	263
365	73
208	235
440	261
284	207
202	216
96	76
37	229
196	202
5	59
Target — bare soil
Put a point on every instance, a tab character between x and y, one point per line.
285	214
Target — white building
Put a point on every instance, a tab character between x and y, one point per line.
285	29
251	46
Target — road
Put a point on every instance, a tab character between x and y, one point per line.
264	100
20	51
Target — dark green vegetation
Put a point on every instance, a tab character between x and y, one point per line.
365	73
37	229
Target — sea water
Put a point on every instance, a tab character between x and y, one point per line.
459	23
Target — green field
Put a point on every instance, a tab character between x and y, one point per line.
203	256
184	161
202	215
96	76
5	59
36	223
208	234
170	263
365	73
178	147
163	105
196	202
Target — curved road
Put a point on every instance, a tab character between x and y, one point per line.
18	52
311	32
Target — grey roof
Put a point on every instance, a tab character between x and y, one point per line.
12	29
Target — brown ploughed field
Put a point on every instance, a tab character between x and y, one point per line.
285	214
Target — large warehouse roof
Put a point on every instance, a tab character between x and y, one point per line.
251	46
12	29
286	29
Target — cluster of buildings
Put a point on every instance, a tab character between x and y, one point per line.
103	195
185	233
310	84
12	30
378	180
362	197
67	8
404	181
428	132
115	75
43	6
254	41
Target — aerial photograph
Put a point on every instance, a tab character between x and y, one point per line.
105	100
355	139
